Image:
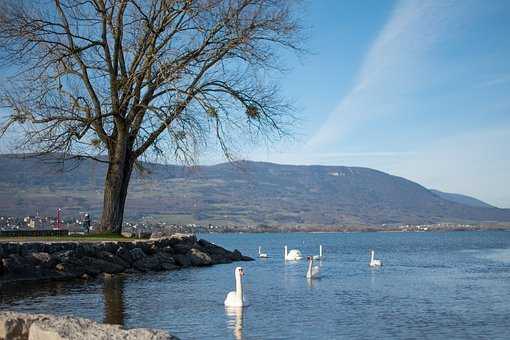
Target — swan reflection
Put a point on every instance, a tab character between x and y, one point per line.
235	321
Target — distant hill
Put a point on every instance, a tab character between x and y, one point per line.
462	199
248	193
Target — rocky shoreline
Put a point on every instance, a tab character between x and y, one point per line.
22	326
37	261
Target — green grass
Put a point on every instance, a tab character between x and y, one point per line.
106	236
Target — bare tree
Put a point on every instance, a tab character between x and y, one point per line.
123	80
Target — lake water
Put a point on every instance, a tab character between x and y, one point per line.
432	285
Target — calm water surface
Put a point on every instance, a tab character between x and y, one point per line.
432	285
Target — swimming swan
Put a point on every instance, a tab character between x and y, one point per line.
374	263
262	255
236	298
313	271
320	256
292	255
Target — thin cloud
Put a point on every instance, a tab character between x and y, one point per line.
395	65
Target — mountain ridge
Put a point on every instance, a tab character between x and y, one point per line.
243	193
462	199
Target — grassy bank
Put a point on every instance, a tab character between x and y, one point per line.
85	238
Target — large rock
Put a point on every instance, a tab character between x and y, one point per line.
167	261
199	258
109	257
125	254
35	247
188	239
19	326
182	260
168	250
137	254
11	248
65	260
148	263
236	255
17	265
14	326
181	248
101	265
44	260
212	248
65	255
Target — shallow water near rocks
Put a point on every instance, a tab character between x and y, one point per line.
432	285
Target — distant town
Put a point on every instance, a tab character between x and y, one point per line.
84	224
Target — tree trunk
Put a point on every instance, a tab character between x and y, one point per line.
115	191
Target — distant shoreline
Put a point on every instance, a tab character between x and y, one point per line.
359	229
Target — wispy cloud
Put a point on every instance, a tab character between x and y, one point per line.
421	71
395	65
496	80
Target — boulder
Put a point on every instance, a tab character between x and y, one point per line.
14	325
167	261
20	326
181	248
236	255
28	248
199	258
100	266
17	265
82	250
106	256
144	246
65	255
162	243
151	249
213	249
110	247
148	263
168	250
125	254
137	254
220	259
182	260
44	260
188	239
11	248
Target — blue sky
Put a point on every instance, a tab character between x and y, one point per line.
415	88
419	89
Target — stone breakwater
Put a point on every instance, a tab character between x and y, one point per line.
22	326
34	261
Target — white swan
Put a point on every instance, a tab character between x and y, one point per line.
262	255
313	271
373	262
320	256
292	255
236	298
